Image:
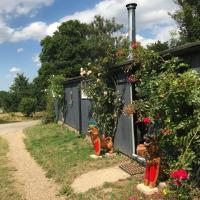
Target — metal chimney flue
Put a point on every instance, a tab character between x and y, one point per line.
131	26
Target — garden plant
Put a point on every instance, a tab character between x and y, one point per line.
168	103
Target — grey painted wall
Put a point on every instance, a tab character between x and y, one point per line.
72	100
86	114
124	136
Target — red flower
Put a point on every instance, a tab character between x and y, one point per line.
179	174
134	45
147	120
132	198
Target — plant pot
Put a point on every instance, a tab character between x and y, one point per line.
141	149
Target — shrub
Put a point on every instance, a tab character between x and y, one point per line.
28	106
169	94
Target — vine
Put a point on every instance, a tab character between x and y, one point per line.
99	85
168	91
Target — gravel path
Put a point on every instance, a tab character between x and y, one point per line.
30	177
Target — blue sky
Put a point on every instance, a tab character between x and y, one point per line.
23	23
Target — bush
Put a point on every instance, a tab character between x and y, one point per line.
49	115
28	106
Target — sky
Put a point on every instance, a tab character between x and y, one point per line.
23	23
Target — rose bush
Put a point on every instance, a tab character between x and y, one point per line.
99	84
172	89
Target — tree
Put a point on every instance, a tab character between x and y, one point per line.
6	101
158	46
71	47
2	97
188	19
101	36
18	90
27	106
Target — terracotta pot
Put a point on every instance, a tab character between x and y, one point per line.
141	150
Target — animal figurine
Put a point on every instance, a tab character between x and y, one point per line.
152	161
100	142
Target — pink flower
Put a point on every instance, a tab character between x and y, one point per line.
179	174
134	45
147	120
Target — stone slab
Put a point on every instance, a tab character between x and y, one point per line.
146	189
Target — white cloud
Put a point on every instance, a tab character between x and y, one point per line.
14	71
19	50
36	60
35	31
152	16
21	7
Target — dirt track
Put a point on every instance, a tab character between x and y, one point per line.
30	177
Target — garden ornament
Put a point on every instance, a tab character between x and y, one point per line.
152	161
100	142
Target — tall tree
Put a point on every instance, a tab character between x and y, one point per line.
71	47
188	19
158	46
18	90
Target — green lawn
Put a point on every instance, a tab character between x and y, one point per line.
7	189
63	154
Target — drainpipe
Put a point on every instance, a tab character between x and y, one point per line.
131	26
132	38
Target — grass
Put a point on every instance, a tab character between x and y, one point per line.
7	189
65	156
17	117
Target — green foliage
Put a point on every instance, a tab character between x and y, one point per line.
100	86
169	91
19	89
49	115
27	106
54	94
188	19
6	101
63	155
158	46
56	86
72	46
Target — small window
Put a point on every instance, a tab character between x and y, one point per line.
83	95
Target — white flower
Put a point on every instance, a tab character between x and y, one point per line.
89	64
98	80
99	74
105	93
81	69
89	72
83	73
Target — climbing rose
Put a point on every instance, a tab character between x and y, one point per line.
147	120
179	174
134	45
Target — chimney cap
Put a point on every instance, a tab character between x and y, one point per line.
131	6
